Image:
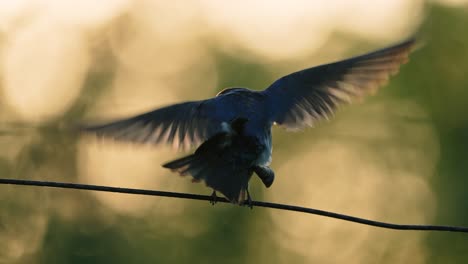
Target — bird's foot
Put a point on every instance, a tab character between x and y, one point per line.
248	201
214	198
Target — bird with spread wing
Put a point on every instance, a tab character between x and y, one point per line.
233	130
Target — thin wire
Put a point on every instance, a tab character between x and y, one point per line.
223	200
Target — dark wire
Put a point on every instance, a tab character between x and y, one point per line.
223	200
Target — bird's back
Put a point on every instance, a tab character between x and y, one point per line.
224	162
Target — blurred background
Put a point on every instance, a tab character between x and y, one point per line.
400	156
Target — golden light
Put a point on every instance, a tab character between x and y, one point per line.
163	53
284	30
86	14
388	183
44	68
123	165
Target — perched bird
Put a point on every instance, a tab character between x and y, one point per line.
233	129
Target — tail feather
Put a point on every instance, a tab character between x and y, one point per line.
221	176
192	164
177	164
223	162
229	180
199	169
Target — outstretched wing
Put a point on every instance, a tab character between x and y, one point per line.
299	99
181	125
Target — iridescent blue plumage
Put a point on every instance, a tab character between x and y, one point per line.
233	129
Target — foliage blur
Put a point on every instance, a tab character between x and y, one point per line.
399	156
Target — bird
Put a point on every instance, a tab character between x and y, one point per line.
232	131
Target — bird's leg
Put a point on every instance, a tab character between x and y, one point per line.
248	201
214	198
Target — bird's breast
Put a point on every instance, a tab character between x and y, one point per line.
264	159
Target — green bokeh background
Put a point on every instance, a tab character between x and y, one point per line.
436	79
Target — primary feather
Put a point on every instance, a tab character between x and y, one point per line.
234	128
301	98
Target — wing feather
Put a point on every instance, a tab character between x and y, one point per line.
301	98
181	125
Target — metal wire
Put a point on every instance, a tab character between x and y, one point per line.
223	200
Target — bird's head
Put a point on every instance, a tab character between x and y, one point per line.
233	90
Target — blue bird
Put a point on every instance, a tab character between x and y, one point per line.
233	129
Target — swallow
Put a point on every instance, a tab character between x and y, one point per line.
232	131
